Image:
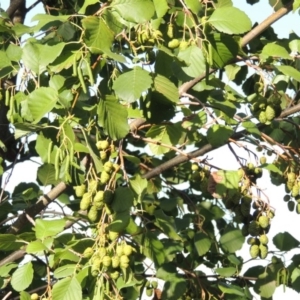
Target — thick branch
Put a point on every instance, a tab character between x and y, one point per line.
208	147
33	210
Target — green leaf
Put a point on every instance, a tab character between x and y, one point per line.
46	228
232	240
275	51
265	285
194	6
22	277
174	289
139	186
163	134
41	146
231	289
296	5
226	272
50	20
164	86
198	120
272	168
37	57
194	59
202	243
295	279
86	4
218	135
175	285
112	116
289	71
166	224
232	71
230	20
284	241
251	128
138	11
35	247
6	269
227	183
24	296
41	102
64	271
153	248
46	174
161	7
123	199
13	52
67	289
223	48
97	35
120	221
130	85
9	242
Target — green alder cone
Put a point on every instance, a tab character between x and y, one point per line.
254	251
34	296
183	45
104	177
115	261
263	221
88	252
262	117
93	214
108	167
106	261
263	239
115	275
80	190
102	145
173	44
270	113
101	252
99	196
291	177
263	251
291	205
295	190
119	249
85	201
254	228
127	250
112	235
124	261
92	186
251	241
103	155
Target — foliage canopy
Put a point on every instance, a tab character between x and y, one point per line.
119	102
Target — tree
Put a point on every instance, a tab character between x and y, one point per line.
121	101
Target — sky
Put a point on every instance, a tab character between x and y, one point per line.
283	218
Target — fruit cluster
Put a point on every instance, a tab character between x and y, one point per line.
109	259
97	193
258	228
265	109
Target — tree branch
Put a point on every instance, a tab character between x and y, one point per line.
208	147
33	210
